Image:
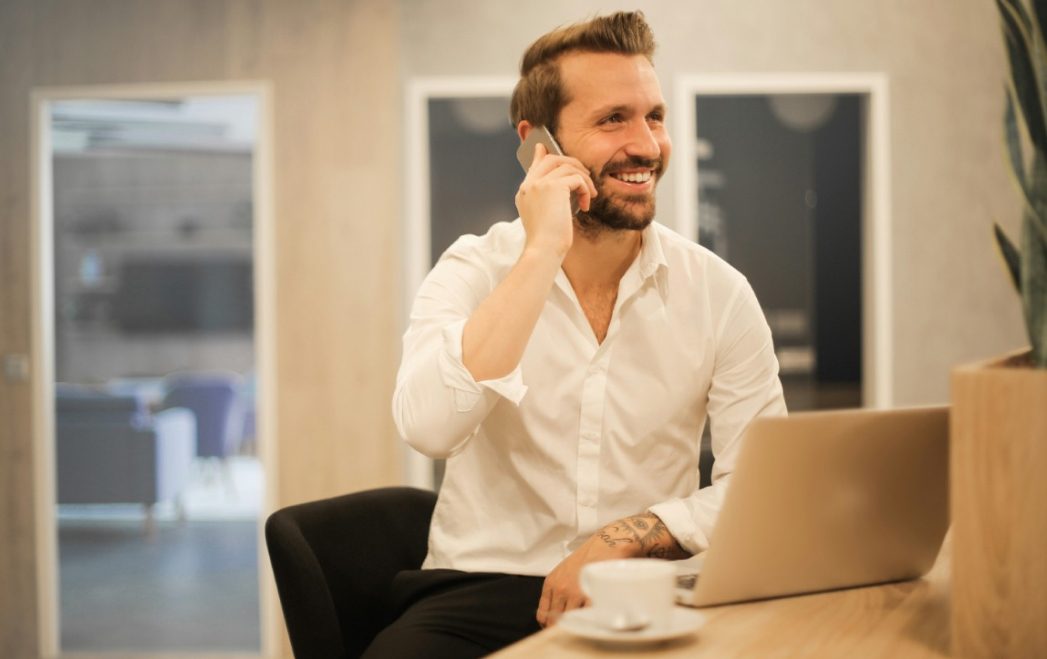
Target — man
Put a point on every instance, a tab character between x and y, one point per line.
565	365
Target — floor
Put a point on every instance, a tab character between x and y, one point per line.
189	585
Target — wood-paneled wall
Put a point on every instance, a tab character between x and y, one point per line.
333	69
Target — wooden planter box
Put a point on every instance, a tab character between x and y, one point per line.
998	495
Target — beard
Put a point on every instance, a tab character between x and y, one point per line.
618	212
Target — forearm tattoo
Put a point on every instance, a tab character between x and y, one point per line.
645	530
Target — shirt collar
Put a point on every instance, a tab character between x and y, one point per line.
652	261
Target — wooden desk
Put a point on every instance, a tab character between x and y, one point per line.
909	619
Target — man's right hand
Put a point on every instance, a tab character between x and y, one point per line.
497	332
544	200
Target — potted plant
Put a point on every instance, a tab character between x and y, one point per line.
999	419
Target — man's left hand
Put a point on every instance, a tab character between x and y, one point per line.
637	536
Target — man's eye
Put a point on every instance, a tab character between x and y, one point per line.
613	118
657	117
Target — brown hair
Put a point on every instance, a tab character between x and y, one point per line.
539	95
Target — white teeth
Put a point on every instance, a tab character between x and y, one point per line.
638	177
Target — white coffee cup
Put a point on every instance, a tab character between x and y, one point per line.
631	592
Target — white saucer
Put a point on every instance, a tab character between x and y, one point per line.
581	622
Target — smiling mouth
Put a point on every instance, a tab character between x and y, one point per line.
633	177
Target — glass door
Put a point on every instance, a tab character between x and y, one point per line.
158	480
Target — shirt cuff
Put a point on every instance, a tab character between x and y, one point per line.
467	390
677	518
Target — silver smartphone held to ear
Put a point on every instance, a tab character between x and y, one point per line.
525	153
538	135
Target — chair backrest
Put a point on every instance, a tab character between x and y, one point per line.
212	399
334	561
81	403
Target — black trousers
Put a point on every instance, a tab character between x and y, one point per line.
455	615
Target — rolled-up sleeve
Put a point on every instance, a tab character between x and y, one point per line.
438	405
745	385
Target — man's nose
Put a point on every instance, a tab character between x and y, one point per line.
642	141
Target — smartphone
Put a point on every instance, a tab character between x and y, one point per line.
525	153
538	135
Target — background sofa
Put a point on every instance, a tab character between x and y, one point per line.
110	449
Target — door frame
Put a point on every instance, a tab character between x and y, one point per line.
877	295
42	309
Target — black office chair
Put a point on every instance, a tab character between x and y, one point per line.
334	560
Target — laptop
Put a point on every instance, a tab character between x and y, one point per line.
826	500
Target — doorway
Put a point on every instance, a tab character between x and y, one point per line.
152	241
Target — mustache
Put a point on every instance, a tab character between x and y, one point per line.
632	162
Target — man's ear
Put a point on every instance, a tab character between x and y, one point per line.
523	129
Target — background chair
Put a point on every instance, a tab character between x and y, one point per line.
213	399
334	561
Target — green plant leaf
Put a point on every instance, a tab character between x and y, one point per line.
1034	290
1032	34
1014	144
1017	162
1023	34
1009	253
1039	52
1020	13
1036	188
1040	10
1024	75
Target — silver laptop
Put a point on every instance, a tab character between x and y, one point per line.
826	500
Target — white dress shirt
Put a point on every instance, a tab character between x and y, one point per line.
582	433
